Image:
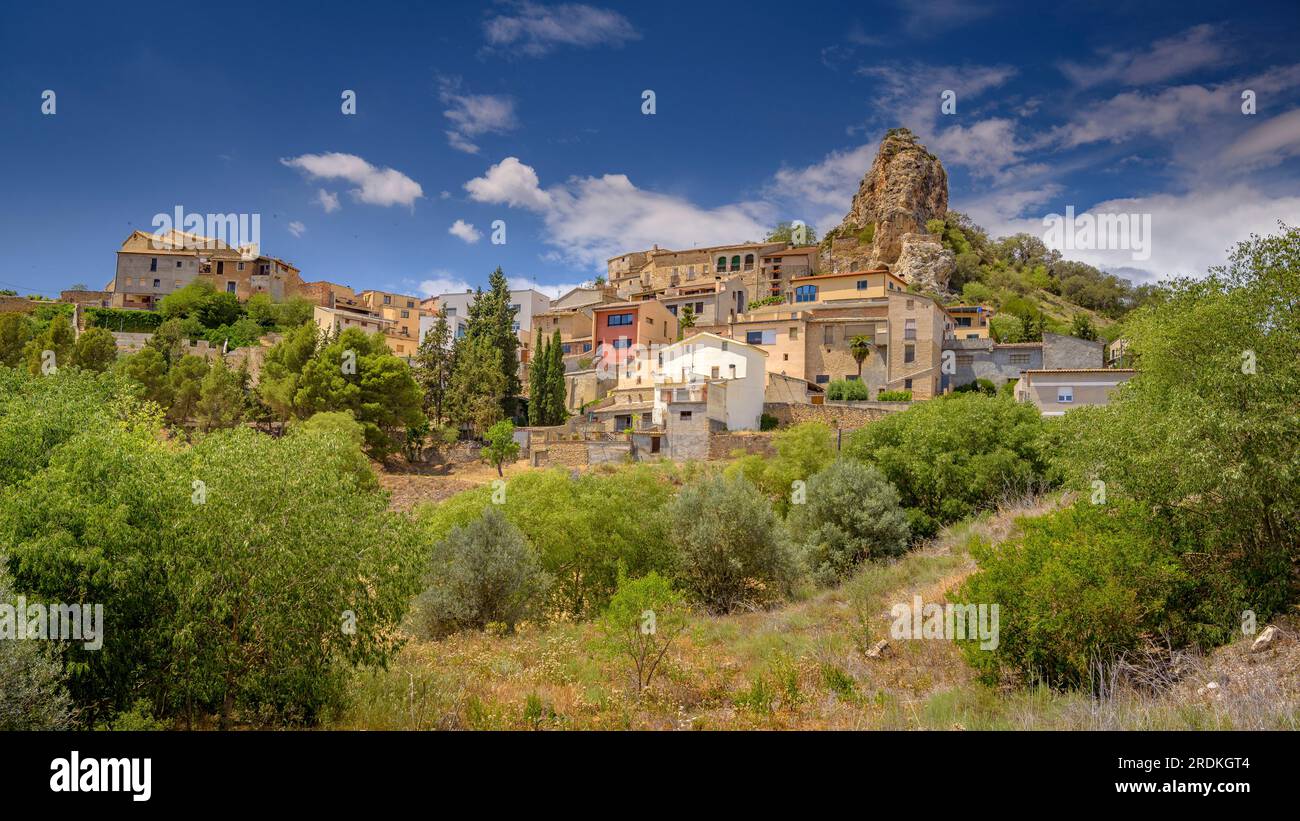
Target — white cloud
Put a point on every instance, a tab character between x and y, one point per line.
935	16
1196	48
375	186
473	115
1269	142
297	228
1190	232
328	201
535	30
442	282
512	183
465	231
590	219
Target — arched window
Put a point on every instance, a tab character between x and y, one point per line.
722	264
749	262
805	293
735	263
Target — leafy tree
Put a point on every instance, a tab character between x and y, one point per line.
852	514
1007	328
483	573
685	321
282	370
642	619
221	401
185	386
358	373
433	367
169	340
95	350
15	333
801	451
784	232
32	691
952	456
501	445
148	370
1081	327
1205	437
478	387
853	389
1076	588
58	337
733	553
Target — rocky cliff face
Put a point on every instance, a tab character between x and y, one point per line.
905	187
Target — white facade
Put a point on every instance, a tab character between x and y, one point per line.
526	302
688	368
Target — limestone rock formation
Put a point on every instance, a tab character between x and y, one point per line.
905	188
924	262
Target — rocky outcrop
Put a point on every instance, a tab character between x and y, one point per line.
904	189
924	262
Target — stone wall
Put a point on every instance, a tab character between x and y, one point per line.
19	304
846	415
721	445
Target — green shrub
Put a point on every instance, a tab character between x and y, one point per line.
121	319
894	396
483	573
851	514
1076	589
801	451
733	552
853	389
32	691
643	618
955	455
981	385
767	422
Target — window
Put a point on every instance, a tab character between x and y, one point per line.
909	329
722	263
749	262
684	415
388	300
785	357
1019	359
735	262
586	346
153	263
406	314
410	303
230	286
1065	395
178	263
239	266
965	359
828	335
514	326
907	384
911	304
823	378
157	283
622	343
672	309
699	308
714	372
909	353
852	377
760	337
863	284
805	293
451	312
618	319
794	333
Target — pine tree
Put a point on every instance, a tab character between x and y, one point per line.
555	409
433	364
537	382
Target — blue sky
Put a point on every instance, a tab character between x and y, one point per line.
531	113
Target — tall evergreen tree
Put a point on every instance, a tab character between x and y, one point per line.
433	365
555	410
537	382
492	319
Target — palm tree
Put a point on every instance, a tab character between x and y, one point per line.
860	348
686	320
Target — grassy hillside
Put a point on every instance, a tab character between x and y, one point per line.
803	666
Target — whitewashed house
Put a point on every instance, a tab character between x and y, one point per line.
720	378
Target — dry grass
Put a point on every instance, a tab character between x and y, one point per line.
804	666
